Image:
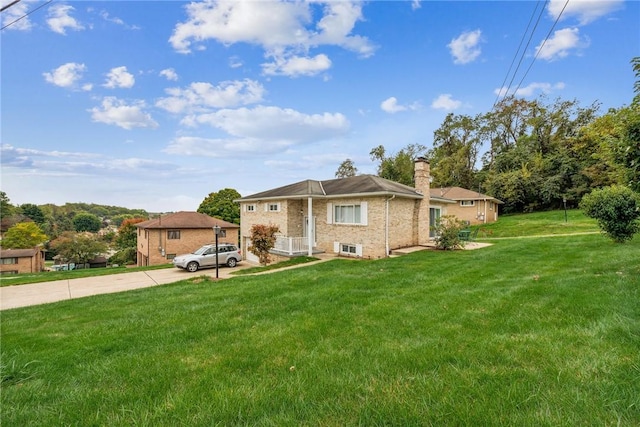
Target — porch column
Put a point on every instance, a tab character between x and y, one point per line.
310	226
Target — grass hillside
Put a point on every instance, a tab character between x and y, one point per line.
542	332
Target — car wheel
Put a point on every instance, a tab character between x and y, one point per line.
192	266
232	262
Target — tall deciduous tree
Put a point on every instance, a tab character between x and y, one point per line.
456	145
127	233
23	235
346	169
398	167
221	205
86	222
78	247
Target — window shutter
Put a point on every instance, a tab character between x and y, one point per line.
363	213
329	213
358	250
336	247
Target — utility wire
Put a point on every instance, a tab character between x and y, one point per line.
25	15
521	53
542	45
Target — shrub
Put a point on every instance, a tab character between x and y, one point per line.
447	232
616	209
263	238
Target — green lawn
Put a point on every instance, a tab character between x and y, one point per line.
527	332
539	223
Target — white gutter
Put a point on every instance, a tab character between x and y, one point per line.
386	225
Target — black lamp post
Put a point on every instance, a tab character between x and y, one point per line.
216	231
564	201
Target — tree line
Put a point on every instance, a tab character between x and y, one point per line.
531	154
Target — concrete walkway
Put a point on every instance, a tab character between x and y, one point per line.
47	292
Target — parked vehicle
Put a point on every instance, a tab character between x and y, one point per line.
205	257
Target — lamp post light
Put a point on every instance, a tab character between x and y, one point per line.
216	231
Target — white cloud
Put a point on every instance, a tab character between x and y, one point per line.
60	19
585	11
16	17
202	96
415	4
169	74
298	66
275	124
446	102
560	44
391	106
258	131
67	75
119	77
465	48
117	112
532	89
284	29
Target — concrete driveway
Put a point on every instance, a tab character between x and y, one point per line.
47	292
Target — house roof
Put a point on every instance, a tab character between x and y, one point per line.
360	185
18	253
185	220
459	193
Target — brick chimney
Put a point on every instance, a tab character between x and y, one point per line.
422	178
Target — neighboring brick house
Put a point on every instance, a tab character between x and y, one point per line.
16	261
162	238
364	216
470	206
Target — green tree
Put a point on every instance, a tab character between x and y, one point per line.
346	169
263	238
398	167
456	144
6	208
34	212
221	205
78	247
128	233
23	235
85	221
616	208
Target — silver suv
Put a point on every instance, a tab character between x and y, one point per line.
205	257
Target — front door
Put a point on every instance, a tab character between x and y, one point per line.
434	216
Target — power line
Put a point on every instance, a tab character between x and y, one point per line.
25	15
521	53
543	43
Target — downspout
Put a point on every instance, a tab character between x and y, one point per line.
386	225
485	212
310	226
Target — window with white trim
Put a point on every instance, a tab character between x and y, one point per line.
251	208
272	207
349	249
467	202
355	213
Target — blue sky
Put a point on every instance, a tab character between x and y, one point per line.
156	104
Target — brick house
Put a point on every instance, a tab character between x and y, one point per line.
362	216
16	261
471	206
162	238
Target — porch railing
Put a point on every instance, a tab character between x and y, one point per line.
291	245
